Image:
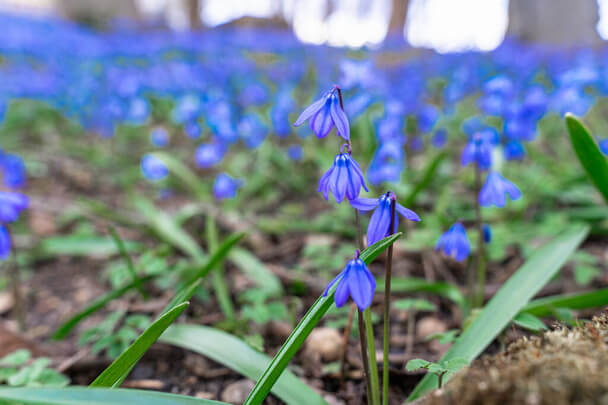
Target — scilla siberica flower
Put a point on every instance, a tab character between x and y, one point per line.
326	113
5	243
380	222
495	190
153	168
225	186
355	281
11	205
343	179
478	150
455	243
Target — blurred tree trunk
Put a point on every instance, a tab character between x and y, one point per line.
194	14
97	12
558	22
398	16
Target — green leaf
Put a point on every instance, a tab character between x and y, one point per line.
546	306
16	358
239	356
443	337
184	174
116	371
529	321
589	154
427	178
80	245
99	303
417	304
455	364
257	271
304	327
584	274
509	300
415	364
441	288
127	259
93	396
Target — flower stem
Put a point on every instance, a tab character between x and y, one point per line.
364	357
17	291
481	256
373	365
387	310
349	324
221	290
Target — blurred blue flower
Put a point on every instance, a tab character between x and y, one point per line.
380	222
426	117
209	154
159	137
603	144
514	150
455	243
193	129
343	179
326	113
294	152
478	150
252	130
153	168
354	281
5	243
11	205
225	186
495	190
12	170
487	233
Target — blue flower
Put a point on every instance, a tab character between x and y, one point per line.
440	137
603	144
12	170
487	233
344	178
380	222
192	129
514	150
225	186
478	150
159	137
294	152
326	113
11	205
5	243
209	154
355	281
455	243
495	190
153	168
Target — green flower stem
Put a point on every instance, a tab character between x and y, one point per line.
387	311
481	254
364	357
219	283
373	365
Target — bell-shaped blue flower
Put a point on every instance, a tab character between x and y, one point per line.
193	129
495	190
514	150
380	222
11	205
455	243
326	113
355	281
225	186
153	168
5	243
209	154
159	137
343	179
12	170
487	233
295	152
478	150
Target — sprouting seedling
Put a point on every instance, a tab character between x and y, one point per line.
444	337
439	369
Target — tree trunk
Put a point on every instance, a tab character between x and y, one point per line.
398	16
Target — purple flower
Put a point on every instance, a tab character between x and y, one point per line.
11	204
326	113
344	178
5	243
159	137
355	281
380	222
153	168
455	243
495	190
225	186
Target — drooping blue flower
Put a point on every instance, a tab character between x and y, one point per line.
440	137
354	281
209	154
603	144
380	222
159	137
153	168
343	179
12	170
495	190
11	205
294	152
514	150
252	130
326	113
5	243
487	233
455	243
193	129
225	186
478	150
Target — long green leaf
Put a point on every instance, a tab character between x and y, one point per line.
589	154
81	245
257	271
127	259
412	284
116	371
217	256
509	300
425	181
303	329
239	356
546	306
99	303
94	396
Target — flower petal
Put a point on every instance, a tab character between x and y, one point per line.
339	118
310	111
407	213
321	123
378	224
364	204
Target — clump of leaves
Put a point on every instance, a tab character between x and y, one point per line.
18	369
106	337
439	369
585	268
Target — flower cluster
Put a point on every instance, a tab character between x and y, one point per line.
12	203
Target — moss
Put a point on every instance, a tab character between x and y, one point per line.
563	366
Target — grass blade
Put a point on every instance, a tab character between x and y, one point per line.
589	154
257	271
184	174
94	396
116	372
239	356
303	329
128	262
545	306
441	288
427	178
509	300
99	303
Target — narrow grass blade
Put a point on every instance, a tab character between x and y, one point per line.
222	293
217	256
589	154
509	300
425	181
303	329
441	288
184	174
117	371
94	396
128	262
239	356
546	306
78	245
99	303
257	271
